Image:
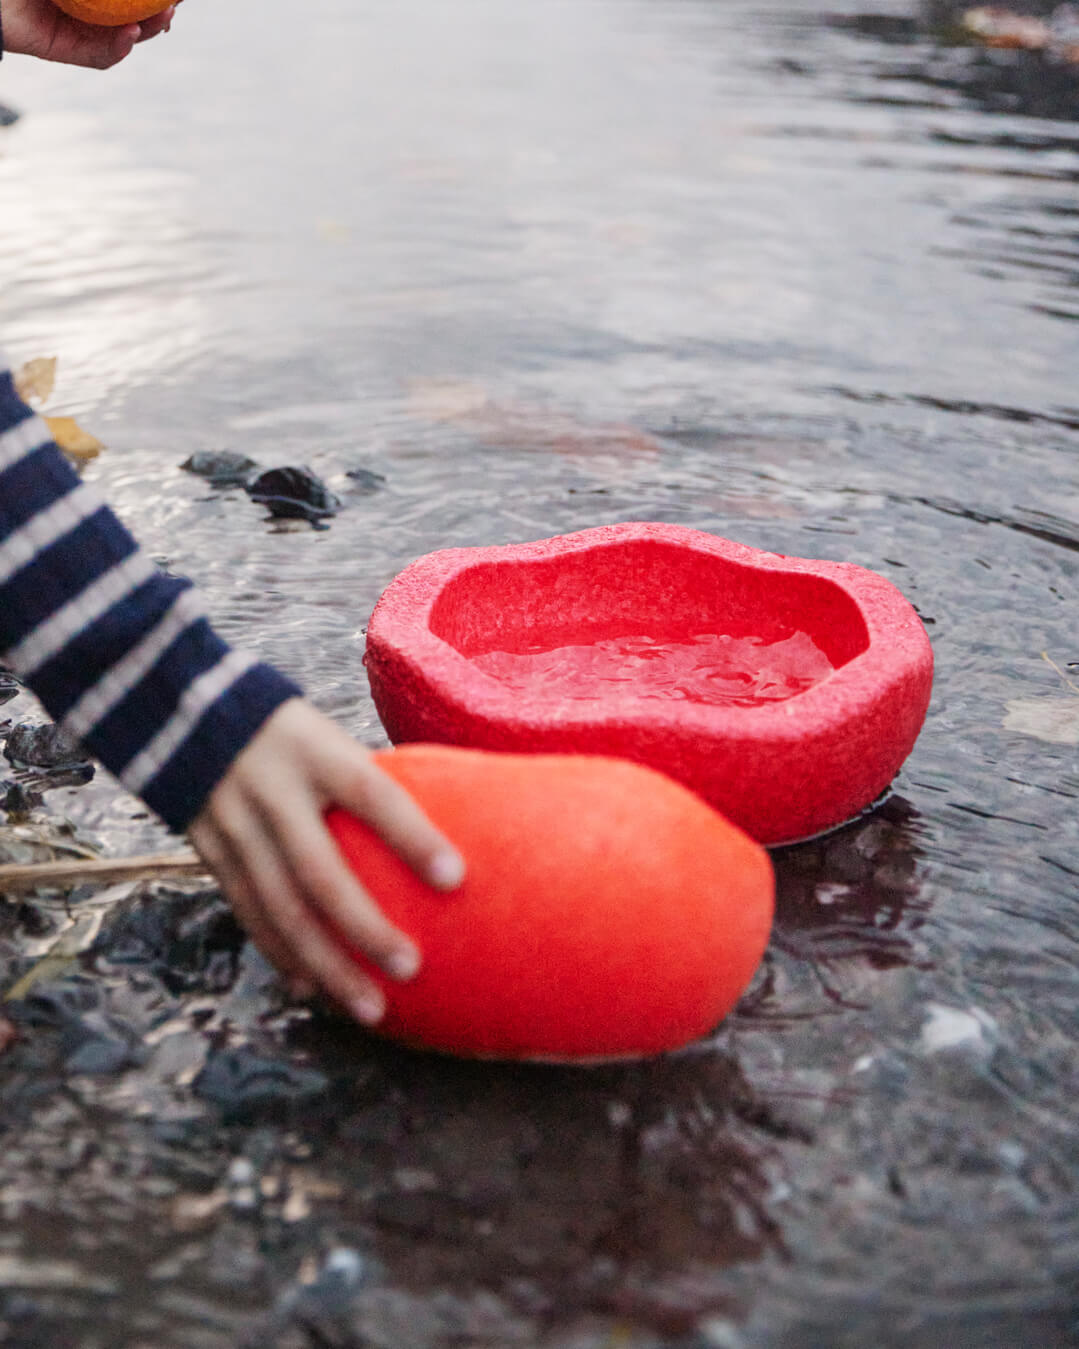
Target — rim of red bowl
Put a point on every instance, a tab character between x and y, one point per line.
897	645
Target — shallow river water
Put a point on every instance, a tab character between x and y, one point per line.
809	281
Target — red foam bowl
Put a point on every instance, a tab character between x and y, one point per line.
786	692
606	911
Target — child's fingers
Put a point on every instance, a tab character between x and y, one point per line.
121	45
364	790
281	905
333	892
160	23
216	853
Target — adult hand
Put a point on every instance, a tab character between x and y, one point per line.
263	834
38	28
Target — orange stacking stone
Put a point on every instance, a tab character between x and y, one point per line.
112	13
607	910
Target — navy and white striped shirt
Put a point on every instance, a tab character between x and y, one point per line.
121	655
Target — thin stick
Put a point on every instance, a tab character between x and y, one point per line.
18	877
1052	663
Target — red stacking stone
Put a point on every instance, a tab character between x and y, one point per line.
821	687
606	912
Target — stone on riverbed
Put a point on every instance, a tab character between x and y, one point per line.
222	467
246	1086
42	747
293	493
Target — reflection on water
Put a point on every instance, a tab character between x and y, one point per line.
807	282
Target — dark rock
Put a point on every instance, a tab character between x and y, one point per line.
221	467
90	1040
103	1054
247	1086
42	747
189	941
366	480
8	116
293	493
18	800
33	921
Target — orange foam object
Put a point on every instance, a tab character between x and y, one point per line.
607	911
823	728
111	13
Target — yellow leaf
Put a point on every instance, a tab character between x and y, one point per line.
72	439
60	956
34	382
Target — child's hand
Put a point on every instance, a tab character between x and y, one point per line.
38	28
262	832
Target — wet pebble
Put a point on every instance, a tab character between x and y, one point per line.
189	941
90	1040
221	467
243	1189
42	747
959	1030
293	493
18	800
102	1055
245	1085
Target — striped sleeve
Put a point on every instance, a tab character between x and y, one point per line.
121	655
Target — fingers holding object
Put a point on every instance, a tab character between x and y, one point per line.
230	875
279	907
331	890
159	23
395	816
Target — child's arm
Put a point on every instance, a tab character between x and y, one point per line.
38	28
125	660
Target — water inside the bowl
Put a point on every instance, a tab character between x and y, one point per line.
711	668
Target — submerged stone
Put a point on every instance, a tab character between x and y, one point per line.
293	493
188	941
222	467
43	747
245	1085
18	800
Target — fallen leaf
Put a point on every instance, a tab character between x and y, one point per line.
35	380
76	443
1054	720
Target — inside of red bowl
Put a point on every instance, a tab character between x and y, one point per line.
648	618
